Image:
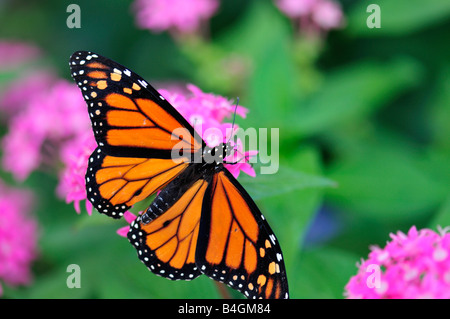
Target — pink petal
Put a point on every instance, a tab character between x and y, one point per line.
129	216
123	231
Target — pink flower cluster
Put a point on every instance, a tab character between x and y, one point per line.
45	119
325	14
50	124
47	125
412	265
13	100
75	155
198	108
18	236
14	53
206	113
181	15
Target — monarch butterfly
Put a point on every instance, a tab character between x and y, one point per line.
202	221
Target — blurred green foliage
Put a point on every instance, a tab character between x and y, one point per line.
364	134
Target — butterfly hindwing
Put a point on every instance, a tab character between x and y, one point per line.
129	117
236	245
165	237
210	226
114	184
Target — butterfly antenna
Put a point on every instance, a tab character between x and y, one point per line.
234	118
235	111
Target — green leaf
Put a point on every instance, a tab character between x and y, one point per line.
286	180
272	84
132	279
6	77
354	92
387	179
321	273
290	213
442	218
53	286
440	109
398	17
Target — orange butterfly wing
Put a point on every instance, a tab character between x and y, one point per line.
138	133
166	236
114	184
202	221
213	227
129	117
236	245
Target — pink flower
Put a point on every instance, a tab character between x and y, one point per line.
61	112
75	155
21	148
206	112
13	100
129	218
240	161
202	107
14	53
218	106
327	15
313	15
48	119
18	236
181	15
413	265
295	8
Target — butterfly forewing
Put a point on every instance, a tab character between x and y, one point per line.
133	126
129	117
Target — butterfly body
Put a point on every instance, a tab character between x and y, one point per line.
202	221
212	162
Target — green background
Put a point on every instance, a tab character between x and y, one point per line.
363	115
